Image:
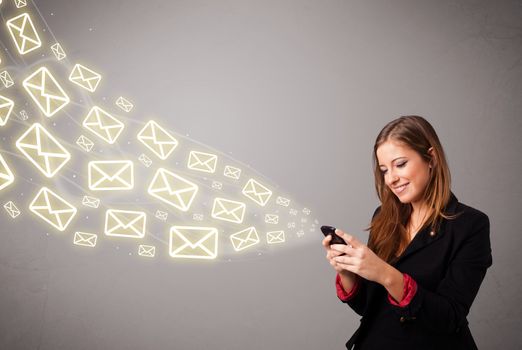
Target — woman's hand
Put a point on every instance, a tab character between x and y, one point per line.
331	254
358	259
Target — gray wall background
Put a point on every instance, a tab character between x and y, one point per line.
298	90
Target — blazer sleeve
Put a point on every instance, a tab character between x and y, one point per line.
444	311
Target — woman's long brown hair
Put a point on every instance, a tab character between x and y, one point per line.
388	235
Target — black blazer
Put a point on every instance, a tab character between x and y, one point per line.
449	267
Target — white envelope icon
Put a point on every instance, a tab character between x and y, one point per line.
257	192
157	139
275	237
103	125
52	208
24	33
111	175
6	107
200	161
46	92
173	189
6	175
244	239
125	223
193	242
227	210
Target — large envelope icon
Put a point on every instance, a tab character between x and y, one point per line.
6	107
85	77
124	104
157	139
275	237
85	239
227	210
103	125
201	161
24	33
244	239
111	175
11	209
193	242
232	172
146	250
125	223
46	92
173	189
43	150
52	208
6	175
257	192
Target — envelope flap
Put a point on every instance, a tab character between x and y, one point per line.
195	237
18	22
38	138
113	169
126	219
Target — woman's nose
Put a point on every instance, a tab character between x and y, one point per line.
392	178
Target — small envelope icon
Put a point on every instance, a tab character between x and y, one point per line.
145	160
85	77
257	192
161	215
58	51
20	3
157	139
43	150
173	189
232	172
125	223
201	161
46	92
6	175
11	209
111	175
6	107
24	33
85	143
6	79
85	239
103	125
244	239
52	208
91	202
275	237
285	202
271	219
146	250
124	104
228	210
193	242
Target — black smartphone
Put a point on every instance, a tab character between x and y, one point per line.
330	230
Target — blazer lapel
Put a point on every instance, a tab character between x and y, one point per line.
425	238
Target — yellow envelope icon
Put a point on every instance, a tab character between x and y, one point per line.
110	175
173	189
52	208
145	160
201	161
103	125
58	51
157	139
275	237
24	33
6	175
257	192
124	104
6	107
85	239
20	3
272	219
227	210
85	77
285	202
244	239
161	215
11	209
91	202
232	172
193	242
146	250
85	143
43	150
125	223
46	92
6	79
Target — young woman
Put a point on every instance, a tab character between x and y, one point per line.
427	253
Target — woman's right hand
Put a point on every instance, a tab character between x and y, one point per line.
331	254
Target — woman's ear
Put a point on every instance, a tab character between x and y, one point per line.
433	161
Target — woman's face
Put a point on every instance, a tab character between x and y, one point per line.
405	172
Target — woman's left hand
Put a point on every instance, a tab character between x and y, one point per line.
360	259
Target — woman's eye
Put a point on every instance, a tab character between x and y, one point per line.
401	165
383	171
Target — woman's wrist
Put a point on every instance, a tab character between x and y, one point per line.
393	280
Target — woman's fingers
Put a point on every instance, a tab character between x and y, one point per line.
349	239
326	241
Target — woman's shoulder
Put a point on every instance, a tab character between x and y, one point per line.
469	214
